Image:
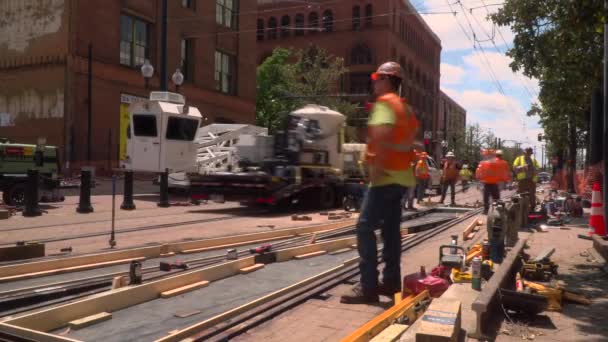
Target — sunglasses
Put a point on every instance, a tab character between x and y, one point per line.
378	77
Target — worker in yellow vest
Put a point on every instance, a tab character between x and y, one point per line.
390	152
465	176
422	176
526	170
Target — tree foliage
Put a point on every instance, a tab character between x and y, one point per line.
290	79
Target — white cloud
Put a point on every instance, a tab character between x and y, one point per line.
504	115
451	74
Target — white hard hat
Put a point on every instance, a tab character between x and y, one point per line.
450	154
499	152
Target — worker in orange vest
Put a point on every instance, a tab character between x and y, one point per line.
391	132
491	172
504	169
422	176
449	177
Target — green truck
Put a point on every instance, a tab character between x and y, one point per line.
17	159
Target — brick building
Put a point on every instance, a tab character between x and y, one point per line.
365	33
44	70
451	122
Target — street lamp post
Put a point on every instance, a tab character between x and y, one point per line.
444	147
147	70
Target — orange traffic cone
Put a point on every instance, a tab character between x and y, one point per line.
596	220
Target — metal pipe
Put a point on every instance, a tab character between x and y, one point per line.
89	101
163	46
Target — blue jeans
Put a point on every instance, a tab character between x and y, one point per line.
381	209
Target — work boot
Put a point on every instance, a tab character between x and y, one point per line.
357	296
388	291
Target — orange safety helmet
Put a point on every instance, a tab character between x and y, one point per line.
389	69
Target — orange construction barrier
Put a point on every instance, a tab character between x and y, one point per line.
596	220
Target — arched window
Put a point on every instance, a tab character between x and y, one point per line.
313	21
368	15
356	18
285	23
260	31
272	28
299	24
361	54
328	21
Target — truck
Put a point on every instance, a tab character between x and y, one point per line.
15	161
302	163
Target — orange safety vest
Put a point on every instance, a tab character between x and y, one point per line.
397	153
491	172
422	170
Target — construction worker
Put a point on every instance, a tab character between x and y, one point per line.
465	177
391	131
491	172
422	176
449	177
526	167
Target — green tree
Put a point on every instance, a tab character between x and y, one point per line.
290	79
559	42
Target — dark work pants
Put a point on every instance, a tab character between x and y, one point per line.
444	190
421	186
381	208
490	190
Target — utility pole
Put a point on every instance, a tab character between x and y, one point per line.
89	102
163	46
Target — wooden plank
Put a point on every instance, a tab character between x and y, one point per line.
89	320
440	322
309	255
328	246
53	318
250	269
469	229
184	289
206	249
198	327
576	298
67	269
372	328
340	251
89	259
390	334
33	334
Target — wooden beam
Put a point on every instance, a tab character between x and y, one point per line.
54	318
372	328
89	320
198	327
327	246
309	255
391	334
184	289
469	229
250	269
68	269
33	334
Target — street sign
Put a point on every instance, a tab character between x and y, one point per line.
428	135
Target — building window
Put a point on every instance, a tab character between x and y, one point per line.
272	28
225	13
313	21
299	24
361	54
260	30
224	72
356	18
328	21
285	26
190	4
368	15
187	59
133	41
360	84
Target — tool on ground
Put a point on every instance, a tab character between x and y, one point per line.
521	302
475	251
168	266
261	249
135	273
452	260
232	254
539	271
460	277
519	285
486	269
416	283
476	270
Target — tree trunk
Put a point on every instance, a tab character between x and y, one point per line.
572	155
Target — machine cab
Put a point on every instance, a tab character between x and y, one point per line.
162	134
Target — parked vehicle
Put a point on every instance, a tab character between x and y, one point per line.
435	172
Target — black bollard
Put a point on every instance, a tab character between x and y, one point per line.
127	202
31	195
164	190
84	205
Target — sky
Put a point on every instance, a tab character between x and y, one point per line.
477	74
